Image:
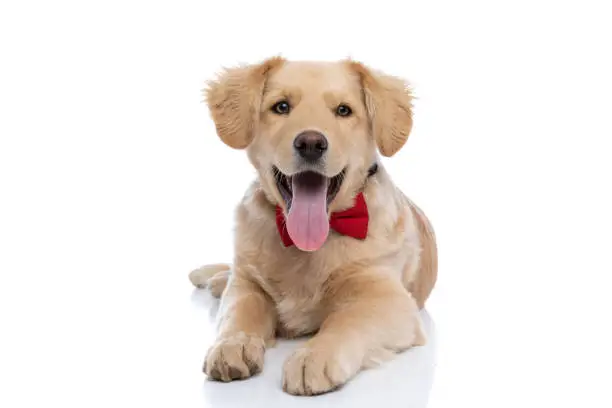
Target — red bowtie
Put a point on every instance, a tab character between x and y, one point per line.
352	222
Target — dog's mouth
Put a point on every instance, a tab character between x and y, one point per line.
307	196
308	181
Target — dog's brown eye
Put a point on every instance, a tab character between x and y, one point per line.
282	108
343	110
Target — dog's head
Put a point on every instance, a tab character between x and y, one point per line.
311	130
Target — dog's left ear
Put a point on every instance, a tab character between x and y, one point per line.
389	104
234	101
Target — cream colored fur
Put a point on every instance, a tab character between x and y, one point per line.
360	299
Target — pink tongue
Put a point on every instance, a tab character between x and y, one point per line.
307	222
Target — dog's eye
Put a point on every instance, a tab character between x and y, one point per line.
343	110
281	107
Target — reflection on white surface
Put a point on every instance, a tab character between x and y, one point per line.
403	382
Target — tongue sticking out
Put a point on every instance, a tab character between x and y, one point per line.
307	222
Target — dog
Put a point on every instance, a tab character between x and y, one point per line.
326	245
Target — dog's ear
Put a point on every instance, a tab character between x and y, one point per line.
234	100
388	101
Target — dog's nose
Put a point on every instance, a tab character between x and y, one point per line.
310	145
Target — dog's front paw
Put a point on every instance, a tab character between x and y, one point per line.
312	371
235	358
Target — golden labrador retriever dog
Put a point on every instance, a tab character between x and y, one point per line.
325	243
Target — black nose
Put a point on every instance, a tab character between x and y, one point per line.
310	145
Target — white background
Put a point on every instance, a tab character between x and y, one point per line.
114	186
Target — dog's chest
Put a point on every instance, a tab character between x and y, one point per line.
298	315
298	288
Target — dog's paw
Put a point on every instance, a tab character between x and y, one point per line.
235	358
199	277
312	371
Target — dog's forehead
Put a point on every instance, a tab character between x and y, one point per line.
315	76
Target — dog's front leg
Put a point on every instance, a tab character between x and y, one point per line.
368	317
248	321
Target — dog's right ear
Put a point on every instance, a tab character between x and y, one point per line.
234	100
